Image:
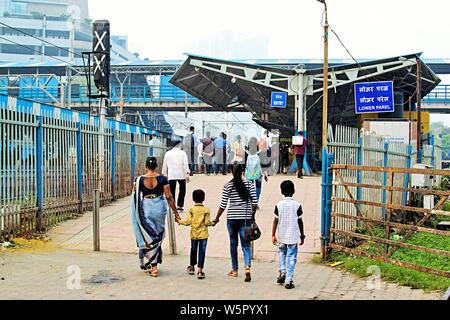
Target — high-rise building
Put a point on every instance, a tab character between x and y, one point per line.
63	24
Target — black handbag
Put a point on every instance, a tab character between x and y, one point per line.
253	232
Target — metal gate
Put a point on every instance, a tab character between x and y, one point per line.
367	235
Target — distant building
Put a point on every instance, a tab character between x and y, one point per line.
64	23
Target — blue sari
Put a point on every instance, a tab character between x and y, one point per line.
148	219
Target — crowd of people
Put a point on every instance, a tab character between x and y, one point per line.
215	155
153	193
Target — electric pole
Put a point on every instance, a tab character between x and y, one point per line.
419	110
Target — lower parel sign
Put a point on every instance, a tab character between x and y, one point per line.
374	97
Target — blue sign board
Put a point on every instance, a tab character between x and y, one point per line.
279	100
374	97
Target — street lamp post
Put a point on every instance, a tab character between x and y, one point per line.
325	79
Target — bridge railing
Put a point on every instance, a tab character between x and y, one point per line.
441	94
147	93
128	93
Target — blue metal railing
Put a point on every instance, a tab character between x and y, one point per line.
156	93
131	93
441	94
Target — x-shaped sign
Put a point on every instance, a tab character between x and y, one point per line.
98	64
100	41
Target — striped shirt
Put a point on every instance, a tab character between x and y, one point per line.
238	209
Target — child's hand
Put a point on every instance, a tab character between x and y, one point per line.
275	241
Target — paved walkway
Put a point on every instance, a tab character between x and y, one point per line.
41	272
115	276
117	235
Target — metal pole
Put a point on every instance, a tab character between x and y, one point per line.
96	220
101	145
419	110
172	239
325	82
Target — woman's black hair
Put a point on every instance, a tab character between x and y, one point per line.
151	163
240	186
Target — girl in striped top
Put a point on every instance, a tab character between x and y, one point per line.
240	197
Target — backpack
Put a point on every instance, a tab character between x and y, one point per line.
253	170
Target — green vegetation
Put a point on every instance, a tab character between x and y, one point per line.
447	206
403	276
439	128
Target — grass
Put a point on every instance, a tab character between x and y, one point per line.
403	276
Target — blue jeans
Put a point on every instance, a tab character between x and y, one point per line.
258	187
198	249
236	230
288	260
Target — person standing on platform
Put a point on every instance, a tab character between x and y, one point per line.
208	153
265	152
221	146
239	151
300	152
176	169
190	146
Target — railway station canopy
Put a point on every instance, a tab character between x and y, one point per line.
236	86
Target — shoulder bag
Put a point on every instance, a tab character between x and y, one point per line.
253	232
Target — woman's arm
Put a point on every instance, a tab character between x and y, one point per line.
188	220
223	204
171	202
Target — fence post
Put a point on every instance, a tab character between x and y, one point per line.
133	161
330	162
113	166
433	154
407	175
79	169
385	175
327	180
39	174
324	203
359	174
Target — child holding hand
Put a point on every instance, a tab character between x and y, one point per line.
198	218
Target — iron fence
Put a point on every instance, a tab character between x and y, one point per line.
49	163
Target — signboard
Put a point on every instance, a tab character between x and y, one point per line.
392	131
374	97
279	100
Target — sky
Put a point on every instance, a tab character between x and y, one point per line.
283	29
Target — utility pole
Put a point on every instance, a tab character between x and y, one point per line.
419	109
325	79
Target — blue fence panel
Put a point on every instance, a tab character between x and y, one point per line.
49	163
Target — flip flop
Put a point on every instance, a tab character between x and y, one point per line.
190	270
201	276
233	274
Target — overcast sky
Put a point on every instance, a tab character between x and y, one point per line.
279	29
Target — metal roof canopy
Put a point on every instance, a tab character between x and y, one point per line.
228	85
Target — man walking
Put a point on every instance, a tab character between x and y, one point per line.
300	151
176	169
191	143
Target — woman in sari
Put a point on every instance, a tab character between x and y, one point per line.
149	200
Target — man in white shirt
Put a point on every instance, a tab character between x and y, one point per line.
176	169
